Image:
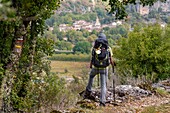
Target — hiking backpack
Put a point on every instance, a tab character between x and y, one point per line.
100	53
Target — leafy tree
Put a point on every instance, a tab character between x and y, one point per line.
67	20
111	42
92	38
63	45
82	47
122	31
50	21
94	32
117	32
5	10
21	58
118	7
50	35
85	33
153	13
101	13
145	53
74	36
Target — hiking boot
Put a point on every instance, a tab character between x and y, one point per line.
102	104
87	93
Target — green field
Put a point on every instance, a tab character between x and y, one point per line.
69	68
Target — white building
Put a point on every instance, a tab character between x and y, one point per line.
64	27
97	23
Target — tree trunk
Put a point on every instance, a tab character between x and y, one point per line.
8	79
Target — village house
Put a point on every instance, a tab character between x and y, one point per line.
113	24
88	27
64	27
82	24
50	28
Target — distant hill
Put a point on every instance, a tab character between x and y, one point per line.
79	6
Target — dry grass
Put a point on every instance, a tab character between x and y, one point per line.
68	68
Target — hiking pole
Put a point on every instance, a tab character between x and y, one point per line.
114	91
98	79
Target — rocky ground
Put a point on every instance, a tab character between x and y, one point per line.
127	99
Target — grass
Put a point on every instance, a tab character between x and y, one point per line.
161	92
69	68
165	108
70	57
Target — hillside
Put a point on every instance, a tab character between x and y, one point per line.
79	6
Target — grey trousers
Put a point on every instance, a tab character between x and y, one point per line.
103	79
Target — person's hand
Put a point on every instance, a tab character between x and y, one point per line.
114	64
90	66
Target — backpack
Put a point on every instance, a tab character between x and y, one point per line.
100	53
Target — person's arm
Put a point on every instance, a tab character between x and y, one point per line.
112	63
92	58
111	60
91	63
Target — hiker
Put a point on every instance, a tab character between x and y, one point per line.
101	58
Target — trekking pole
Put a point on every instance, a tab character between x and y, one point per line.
98	79
114	92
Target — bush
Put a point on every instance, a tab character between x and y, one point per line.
71	57
82	47
144	53
48	93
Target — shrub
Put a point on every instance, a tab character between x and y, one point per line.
70	57
144	53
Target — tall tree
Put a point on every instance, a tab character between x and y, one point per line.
18	38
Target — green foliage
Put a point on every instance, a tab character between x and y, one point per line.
162	92
75	36
117	7
69	18
6	39
1	73
5	10
150	109
119	30
23	97
82	47
145	53
100	12
153	14
45	92
50	35
27	22
70	57
45	46
63	45
92	38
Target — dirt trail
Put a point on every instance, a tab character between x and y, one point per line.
137	106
